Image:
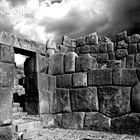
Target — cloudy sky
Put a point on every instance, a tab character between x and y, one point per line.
40	21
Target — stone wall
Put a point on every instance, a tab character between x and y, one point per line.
97	84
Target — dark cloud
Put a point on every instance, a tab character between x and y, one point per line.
17	2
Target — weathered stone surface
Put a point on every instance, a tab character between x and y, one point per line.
69	62
30	65
45	102
138	47
7	133
65	49
64	81
128	40
62	101
31	135
48	120
135	99
135	38
80	41
103	47
6	54
102	57
129	124
137	60
122	36
6	75
110	47
50	44
126	77
100	77
6	98
56	64
132	48
84	99
66	41
121	53
122	45
111	55
114	64
85	62
79	79
92	39
102	66
73	120
114	101
130	61
96	121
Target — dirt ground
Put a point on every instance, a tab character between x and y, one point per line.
61	134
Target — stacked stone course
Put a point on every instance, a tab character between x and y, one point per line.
97	84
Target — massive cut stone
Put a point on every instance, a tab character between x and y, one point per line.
135	38
111	55
64	81
132	48
102	57
122	45
129	124
100	77
65	49
110	47
56	64
114	101
96	121
79	79
114	64
86	62
6	109
73	120
6	75
130	61
84	99
69	62
62	101
49	121
92	39
103	47
66	41
125	77
80	41
121	53
135	99
6	54
137	60
122	36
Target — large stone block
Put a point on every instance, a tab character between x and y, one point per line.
6	54
137	60
86	62
64	81
56	64
73	120
114	64
111	56
51	121
92	39
100	77
103	47
132	48
122	36
126	77
128	124
122	45
62	101
110	47
7	72
135	99
7	133
114	101
130	61
79	79
135	38
80	41
84	99
6	109
96	121
69	62
121	53
102	57
66	41
65	49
